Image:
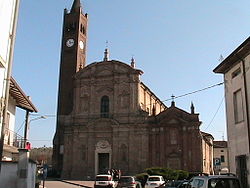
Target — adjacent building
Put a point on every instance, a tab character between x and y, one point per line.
8	22
207	153
221	163
108	118
235	69
11	94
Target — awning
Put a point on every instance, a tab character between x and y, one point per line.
22	101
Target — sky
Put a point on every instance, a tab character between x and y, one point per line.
177	44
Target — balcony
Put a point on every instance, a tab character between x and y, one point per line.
12	142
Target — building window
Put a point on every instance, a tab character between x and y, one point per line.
82	29
123	153
222	158
236	73
238	106
105	107
173	136
221	150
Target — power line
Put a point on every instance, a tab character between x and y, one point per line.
49	115
196	91
215	113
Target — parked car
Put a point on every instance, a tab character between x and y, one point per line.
104	180
128	182
183	184
173	184
215	181
154	181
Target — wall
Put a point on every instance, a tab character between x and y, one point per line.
218	152
8	139
207	150
7	11
9	177
147	100
237	132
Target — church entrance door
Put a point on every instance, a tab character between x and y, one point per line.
103	163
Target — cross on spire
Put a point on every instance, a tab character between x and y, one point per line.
173	97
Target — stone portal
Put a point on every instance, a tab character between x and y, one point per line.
103	156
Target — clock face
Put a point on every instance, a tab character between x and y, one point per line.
70	42
81	45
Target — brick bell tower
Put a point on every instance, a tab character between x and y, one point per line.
73	58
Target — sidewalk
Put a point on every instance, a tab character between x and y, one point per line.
88	184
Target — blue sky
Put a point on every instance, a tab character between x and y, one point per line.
176	43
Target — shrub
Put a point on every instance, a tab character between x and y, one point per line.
167	173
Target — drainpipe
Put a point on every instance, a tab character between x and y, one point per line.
246	98
9	69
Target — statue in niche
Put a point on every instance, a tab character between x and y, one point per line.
84	103
124	99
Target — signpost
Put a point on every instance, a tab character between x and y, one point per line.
45	173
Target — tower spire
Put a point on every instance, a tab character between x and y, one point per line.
75	6
192	108
133	62
106	53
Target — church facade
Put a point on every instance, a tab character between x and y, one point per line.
108	118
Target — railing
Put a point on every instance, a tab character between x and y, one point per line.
11	138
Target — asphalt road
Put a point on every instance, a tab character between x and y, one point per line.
57	184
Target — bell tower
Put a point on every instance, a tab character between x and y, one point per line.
73	58
73	54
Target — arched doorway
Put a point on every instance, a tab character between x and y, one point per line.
103	154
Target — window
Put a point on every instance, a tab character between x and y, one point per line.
236	73
173	136
238	106
82	29
197	183
221	150
105	107
123	153
222	158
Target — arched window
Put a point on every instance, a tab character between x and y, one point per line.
105	107
82	29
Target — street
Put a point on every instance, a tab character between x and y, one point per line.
57	184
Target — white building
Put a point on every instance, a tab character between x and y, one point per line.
220	157
237	94
11	94
8	22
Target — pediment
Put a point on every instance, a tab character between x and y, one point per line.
104	72
106	68
173	121
104	88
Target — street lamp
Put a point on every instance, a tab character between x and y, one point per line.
27	125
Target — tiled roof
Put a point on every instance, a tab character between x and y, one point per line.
220	144
22	100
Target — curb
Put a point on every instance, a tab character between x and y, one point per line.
73	183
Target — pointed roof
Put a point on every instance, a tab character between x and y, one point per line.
174	112
76	5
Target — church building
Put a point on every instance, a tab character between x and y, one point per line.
108	118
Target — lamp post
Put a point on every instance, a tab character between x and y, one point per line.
27	125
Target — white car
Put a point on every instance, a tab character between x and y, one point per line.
104	180
154	181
